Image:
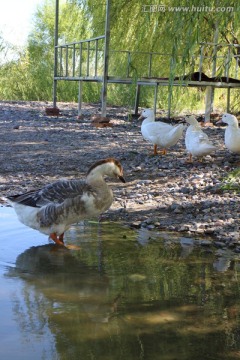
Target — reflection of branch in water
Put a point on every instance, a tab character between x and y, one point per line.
62	278
61	294
157	293
30	310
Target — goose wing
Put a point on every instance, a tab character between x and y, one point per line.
153	129
203	137
56	192
196	135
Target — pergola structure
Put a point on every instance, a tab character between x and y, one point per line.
88	61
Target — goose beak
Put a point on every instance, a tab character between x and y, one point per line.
121	178
219	122
141	117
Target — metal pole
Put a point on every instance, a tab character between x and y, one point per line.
80	60
150	65
208	103
88	54
96	57
66	61
137	96
80	98
155	98
201	62
128	63
55	54
228	63
210	90
169	104
106	59
73	60
228	100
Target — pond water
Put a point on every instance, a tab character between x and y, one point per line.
123	294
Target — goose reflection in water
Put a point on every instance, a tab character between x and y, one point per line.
66	281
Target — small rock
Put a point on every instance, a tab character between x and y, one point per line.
150	227
209	231
136	225
206	243
219	244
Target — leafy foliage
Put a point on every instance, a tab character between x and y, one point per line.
174	32
232	182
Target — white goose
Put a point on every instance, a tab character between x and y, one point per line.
53	209
196	141
232	133
159	133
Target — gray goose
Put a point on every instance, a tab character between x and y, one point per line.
54	208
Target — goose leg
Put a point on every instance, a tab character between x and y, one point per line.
163	152
190	158
61	237
155	149
57	239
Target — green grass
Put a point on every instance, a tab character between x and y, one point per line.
232	181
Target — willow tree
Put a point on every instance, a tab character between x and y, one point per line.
135	26
29	75
175	29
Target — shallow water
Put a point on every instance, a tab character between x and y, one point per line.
123	295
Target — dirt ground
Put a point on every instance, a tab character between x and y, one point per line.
161	192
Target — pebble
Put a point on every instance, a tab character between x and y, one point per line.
219	244
206	243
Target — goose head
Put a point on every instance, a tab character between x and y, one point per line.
192	121
229	119
147	114
107	167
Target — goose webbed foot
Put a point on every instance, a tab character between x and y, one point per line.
57	239
156	152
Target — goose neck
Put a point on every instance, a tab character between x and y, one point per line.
147	121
